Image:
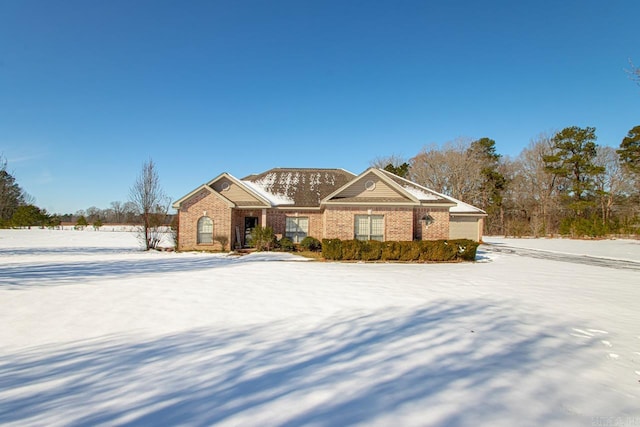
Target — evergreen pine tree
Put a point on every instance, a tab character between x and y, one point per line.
401	170
11	195
630	151
574	151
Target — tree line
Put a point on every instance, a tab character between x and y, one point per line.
117	213
147	207
17	207
562	183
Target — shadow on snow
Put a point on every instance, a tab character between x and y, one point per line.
70	250
20	276
451	363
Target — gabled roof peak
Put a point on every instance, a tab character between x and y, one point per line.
460	207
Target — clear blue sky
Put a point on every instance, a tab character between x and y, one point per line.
89	89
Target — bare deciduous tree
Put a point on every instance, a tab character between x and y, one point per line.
130	213
612	183
533	193
449	170
381	161
634	72
151	203
93	214
118	211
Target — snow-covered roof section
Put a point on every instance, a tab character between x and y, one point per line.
416	190
298	186
462	207
426	194
274	199
420	194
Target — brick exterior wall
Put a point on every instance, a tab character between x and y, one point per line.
192	210
401	224
277	220
439	229
339	222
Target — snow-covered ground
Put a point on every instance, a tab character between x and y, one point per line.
616	249
95	332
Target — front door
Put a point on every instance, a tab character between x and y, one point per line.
250	222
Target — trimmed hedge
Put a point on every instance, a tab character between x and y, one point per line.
423	251
332	249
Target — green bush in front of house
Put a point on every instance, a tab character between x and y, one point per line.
311	244
263	238
351	250
391	251
467	249
370	250
441	250
332	249
410	251
422	251
286	245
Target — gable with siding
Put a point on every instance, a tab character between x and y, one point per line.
377	186
369	188
238	193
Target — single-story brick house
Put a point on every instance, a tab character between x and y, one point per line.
322	203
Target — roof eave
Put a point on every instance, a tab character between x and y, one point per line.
178	203
297	208
243	185
343	203
477	214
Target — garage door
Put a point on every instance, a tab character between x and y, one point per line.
463	227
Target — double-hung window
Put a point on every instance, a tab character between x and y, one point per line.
297	228
369	227
205	231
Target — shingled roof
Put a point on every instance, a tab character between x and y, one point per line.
305	187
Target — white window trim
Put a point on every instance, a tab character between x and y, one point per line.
369	235
296	236
201	233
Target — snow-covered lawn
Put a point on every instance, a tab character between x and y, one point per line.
616	249
94	331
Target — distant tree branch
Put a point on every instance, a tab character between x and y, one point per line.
634	72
